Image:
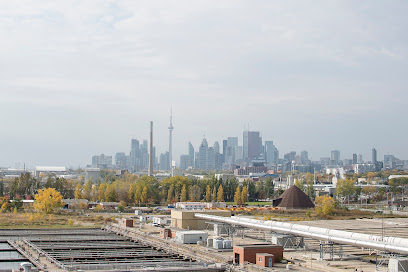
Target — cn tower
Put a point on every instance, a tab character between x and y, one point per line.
170	139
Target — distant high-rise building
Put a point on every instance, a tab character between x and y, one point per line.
202	155
164	161
185	161
210	159
191	154
102	161
238	153
224	146
291	156
374	155
151	154
216	147
120	160
360	159
251	144
354	158
335	156
270	153
389	162
304	156
134	153
232	141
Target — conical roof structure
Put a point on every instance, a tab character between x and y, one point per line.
294	198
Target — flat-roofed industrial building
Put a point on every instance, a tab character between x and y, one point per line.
186	220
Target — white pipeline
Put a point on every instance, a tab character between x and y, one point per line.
386	243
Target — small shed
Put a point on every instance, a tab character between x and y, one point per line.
165	233
127	222
247	253
264	259
191	237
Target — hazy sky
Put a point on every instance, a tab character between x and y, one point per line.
79	78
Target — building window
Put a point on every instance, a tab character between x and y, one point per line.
260	259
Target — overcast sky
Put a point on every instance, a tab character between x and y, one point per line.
79	78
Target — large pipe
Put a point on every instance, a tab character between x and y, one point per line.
386	243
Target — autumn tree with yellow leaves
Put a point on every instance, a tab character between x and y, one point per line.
47	200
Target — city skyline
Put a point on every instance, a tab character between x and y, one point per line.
81	81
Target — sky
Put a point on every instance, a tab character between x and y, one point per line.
79	78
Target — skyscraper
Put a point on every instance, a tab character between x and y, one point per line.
354	158
151	158
251	144
202	155
170	139
216	147
360	159
191	154
270	152
335	156
304	156
374	156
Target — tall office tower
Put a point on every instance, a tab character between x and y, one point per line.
150	172
291	156
135	153
164	161
270	153
170	139
191	154
335	156
304	156
216	147
224	146
238	153
232	141
252	144
184	161
120	160
202	155
210	159
354	158
360	159
145	143
373	156
389	162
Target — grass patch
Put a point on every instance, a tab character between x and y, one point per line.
52	221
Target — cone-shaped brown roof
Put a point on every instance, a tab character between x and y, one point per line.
294	198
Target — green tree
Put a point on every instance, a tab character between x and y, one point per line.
195	193
170	193
269	187
238	196
110	193
220	196
208	194
345	188
138	194
300	184
47	200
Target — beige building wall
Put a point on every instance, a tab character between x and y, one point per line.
186	220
